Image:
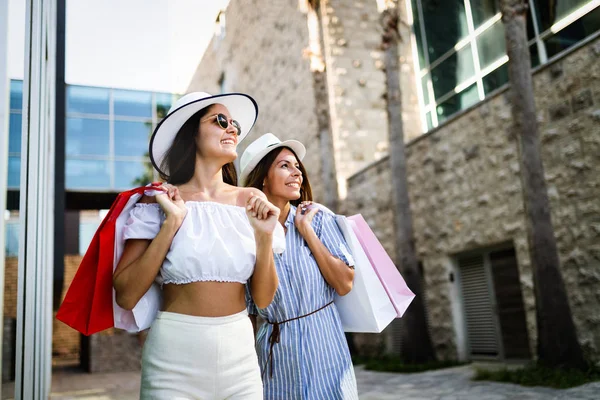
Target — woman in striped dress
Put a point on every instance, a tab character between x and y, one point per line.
301	347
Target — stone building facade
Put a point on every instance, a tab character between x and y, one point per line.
464	175
466	197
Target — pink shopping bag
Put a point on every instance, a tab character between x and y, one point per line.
395	286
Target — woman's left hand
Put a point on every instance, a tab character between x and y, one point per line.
305	213
262	214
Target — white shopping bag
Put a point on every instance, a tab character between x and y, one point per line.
367	308
145	311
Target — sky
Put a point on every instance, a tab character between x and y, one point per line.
133	44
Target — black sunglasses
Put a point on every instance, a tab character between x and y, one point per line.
223	122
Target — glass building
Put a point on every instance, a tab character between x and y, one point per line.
107	134
461	51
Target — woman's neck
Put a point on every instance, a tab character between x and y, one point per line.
207	178
283	205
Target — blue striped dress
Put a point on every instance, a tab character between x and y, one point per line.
311	360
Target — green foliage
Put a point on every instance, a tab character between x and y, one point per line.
395	364
538	375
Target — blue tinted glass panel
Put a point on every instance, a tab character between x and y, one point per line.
87	174
550	12
132	103
483	10
86	234
495	79
14	133
445	24
163	103
458	102
419	38
87	100
12	239
452	71
535	55
573	33
87	137
429	121
16	95
14	172
491	44
424	88
132	138
132	173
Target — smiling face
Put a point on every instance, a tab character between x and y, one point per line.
212	140
284	178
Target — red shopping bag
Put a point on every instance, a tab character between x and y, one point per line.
88	304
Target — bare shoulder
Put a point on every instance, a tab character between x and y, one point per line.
245	193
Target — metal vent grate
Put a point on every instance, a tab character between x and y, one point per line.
479	315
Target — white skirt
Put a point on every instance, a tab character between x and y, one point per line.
187	357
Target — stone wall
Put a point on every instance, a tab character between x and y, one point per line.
466	194
355	70
263	52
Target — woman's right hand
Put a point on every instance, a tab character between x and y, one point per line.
171	203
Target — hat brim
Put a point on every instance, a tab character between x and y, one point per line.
242	107
297	147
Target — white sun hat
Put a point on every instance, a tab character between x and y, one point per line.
262	146
242	108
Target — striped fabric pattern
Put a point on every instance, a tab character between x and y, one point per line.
312	360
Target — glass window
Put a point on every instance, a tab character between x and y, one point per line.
87	100
132	103
87	174
163	104
530	29
451	72
483	10
132	138
14	171
424	88
133	173
87	136
458	102
495	79
429	121
86	234
445	24
12	239
16	95
14	133
491	44
574	33
550	12
535	55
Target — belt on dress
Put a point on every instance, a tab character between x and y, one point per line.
274	337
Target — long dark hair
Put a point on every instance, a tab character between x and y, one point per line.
180	159
259	173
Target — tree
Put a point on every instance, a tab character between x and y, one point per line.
557	338
416	342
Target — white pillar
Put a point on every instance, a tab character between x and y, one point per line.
4	117
36	209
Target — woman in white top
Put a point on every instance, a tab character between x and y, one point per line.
203	240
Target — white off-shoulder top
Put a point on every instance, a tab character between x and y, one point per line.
214	243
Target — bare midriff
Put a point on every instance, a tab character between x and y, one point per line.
204	299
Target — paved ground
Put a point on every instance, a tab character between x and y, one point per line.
448	384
